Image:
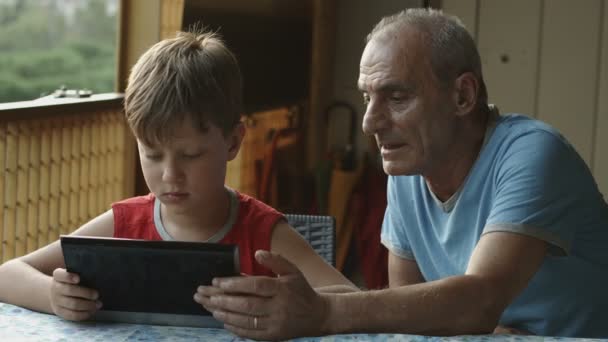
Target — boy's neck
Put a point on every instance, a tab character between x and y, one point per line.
197	225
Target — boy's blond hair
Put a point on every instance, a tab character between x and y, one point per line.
193	75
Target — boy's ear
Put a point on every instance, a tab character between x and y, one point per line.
235	140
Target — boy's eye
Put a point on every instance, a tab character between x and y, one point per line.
154	156
192	155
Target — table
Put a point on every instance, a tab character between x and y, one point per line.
18	324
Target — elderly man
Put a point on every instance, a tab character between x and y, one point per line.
492	220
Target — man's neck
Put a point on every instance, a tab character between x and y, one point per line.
448	175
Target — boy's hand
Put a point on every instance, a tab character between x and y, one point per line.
71	301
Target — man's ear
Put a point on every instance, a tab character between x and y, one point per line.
466	89
235	139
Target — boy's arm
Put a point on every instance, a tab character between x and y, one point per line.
23	285
287	242
401	272
26	281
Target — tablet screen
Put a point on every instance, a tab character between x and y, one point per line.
148	276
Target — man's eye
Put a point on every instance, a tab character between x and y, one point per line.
398	97
365	99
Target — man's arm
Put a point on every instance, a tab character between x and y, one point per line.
402	271
287	307
499	269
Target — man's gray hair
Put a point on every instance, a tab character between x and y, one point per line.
452	49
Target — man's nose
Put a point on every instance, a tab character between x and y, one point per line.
374	118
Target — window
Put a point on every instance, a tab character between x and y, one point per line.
46	44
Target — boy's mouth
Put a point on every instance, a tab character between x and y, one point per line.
175	196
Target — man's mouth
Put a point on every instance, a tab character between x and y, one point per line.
391	146
387	151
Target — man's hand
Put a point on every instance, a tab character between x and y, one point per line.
71	301
263	307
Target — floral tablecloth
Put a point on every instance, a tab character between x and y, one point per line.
18	324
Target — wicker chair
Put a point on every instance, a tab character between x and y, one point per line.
319	231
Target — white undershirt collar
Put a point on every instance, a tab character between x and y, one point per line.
449	204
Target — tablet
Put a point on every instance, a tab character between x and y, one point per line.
149	282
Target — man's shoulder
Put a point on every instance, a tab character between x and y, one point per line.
517	126
518	136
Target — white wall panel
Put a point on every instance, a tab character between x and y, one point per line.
567	93
508	42
466	10
600	156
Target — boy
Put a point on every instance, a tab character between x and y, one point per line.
183	104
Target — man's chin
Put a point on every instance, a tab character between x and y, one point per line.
396	169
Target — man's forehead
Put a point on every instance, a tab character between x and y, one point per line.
385	85
393	60
404	42
382	74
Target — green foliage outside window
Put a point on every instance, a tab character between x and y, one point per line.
45	44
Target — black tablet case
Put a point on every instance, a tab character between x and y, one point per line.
148	276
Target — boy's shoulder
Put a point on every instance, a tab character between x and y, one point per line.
136	201
250	207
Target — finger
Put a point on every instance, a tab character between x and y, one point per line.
209	291
500	330
74	315
78	304
246	305
76	291
250	333
63	276
254	285
203	293
276	263
241	321
204	301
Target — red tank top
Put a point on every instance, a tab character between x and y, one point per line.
251	231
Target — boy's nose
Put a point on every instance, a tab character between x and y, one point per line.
172	175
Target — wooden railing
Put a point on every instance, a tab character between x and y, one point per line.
63	162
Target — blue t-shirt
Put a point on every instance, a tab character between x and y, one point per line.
527	180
